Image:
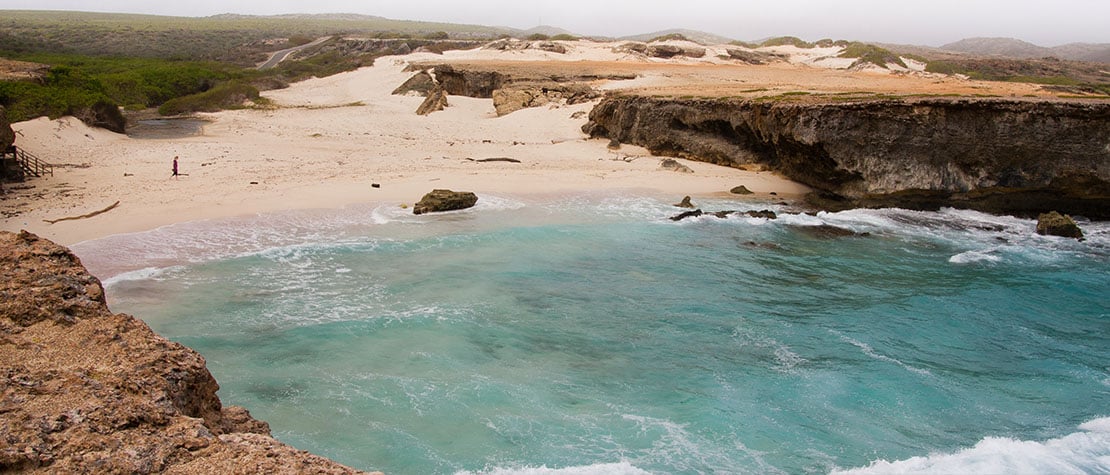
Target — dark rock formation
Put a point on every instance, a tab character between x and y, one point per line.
766	213
673	165
552	47
826	231
1002	156
444	200
435	102
741	190
421	83
7	135
83	390
685	203
669	51
687	214
469	82
1056	224
754	57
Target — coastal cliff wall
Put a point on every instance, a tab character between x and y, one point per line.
1002	156
83	390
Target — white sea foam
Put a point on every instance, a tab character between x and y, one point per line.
971	257
135	275
619	468
870	352
1077	453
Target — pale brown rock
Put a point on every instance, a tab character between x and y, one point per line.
83	390
436	101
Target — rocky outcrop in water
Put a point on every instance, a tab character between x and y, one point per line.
83	390
1056	224
1003	156
445	200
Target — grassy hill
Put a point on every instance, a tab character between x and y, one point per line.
237	39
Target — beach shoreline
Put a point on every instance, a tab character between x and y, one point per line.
325	145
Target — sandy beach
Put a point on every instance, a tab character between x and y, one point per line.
325	142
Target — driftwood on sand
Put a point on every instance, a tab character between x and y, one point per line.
83	216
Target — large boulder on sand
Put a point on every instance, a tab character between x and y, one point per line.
1056	224
445	200
7	135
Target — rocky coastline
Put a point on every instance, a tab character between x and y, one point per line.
1021	157
83	390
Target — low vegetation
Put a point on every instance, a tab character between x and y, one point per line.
867	53
788	41
670	37
183	65
1061	76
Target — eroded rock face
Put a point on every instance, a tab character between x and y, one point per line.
420	83
7	135
83	390
522	96
469	82
445	200
435	102
1004	156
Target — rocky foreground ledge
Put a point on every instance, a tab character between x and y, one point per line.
83	390
1021	157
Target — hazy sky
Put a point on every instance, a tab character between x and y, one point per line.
930	22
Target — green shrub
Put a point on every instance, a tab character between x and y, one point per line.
230	95
300	40
871	54
564	37
538	37
670	37
787	41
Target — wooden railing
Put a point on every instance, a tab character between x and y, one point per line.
32	165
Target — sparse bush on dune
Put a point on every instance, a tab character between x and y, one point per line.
670	37
788	41
866	53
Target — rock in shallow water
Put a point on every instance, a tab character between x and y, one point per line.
445	200
1056	224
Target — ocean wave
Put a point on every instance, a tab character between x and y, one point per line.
971	257
145	273
619	468
870	352
1079	453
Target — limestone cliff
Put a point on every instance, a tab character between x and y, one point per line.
1005	156
83	390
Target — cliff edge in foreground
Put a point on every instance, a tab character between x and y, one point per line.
83	390
1003	156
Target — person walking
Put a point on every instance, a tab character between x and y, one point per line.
174	167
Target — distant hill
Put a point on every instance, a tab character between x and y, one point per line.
1014	48
546	30
694	35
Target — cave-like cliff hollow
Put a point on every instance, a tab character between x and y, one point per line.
1003	156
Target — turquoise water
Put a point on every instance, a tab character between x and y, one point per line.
593	335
